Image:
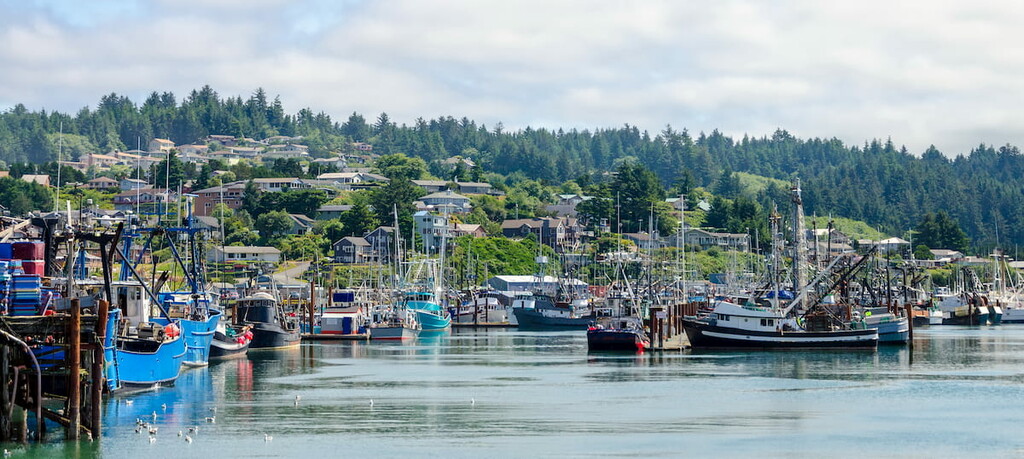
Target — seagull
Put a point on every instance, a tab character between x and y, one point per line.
154	415
213	409
129	402
164	406
188	439
371	402
297	398
180	433
193	429
472	401
267	437
211	419
88	436
138	429
152	430
152	440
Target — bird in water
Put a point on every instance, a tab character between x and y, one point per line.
164	406
267	437
472	401
152	440
193	429
188	439
180	433
211	419
297	398
129	402
371	402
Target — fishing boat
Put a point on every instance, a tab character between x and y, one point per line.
229	342
748	326
482	308
271	327
198	321
548	313
345	315
397	325
618	334
144	353
892	329
430	314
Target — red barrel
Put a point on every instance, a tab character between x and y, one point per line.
27	250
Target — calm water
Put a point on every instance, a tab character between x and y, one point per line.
504	393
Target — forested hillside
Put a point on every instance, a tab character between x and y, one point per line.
877	182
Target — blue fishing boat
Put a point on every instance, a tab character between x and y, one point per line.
148	359
198	322
429	312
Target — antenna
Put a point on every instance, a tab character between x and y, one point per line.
60	154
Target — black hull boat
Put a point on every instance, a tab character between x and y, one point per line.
534	319
271	328
226	347
704	335
622	334
731	326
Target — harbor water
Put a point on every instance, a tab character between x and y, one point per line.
506	393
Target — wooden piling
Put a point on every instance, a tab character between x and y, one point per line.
910	324
98	380
74	370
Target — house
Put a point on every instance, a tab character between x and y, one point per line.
468	229
225	140
286	151
163	145
152	199
99	161
434	186
301	224
353	249
892	244
643	240
360	146
278	184
947	255
706	239
557	232
102	183
132	184
193	150
43	180
244	152
230	194
432	229
209	223
351	178
337	162
244	254
447	201
453	162
331	211
567	203
824	235
382	239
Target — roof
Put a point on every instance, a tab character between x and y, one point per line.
893	241
536	222
334	208
209	221
354	240
444	194
249	249
275	180
302	219
102	179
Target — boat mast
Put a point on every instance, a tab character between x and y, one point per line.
799	249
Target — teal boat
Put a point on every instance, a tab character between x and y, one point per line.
430	313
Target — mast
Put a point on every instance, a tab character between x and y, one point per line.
799	249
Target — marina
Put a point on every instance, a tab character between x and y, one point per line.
502	393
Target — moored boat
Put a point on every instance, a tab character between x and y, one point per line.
753	327
271	328
618	334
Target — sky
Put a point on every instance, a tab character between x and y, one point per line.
921	73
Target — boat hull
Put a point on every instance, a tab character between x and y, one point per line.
198	335
534	319
139	368
704	335
1013	315
271	336
393	333
223	347
616	340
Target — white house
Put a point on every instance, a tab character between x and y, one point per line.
245	254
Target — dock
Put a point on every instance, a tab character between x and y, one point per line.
483	325
333	337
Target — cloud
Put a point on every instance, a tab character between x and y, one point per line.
942	73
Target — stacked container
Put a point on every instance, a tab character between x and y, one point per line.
26	295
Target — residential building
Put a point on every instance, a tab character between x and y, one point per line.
432	229
547	284
360	146
41	179
382	240
102	183
230	194
468	229
132	184
331	211
644	240
149	199
278	184
706	239
557	232
99	161
353	249
892	244
193	150
567	203
434	186
301	224
244	254
163	145
225	140
447	201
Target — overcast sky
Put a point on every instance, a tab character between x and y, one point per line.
926	72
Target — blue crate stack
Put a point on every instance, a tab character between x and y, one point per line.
26	295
